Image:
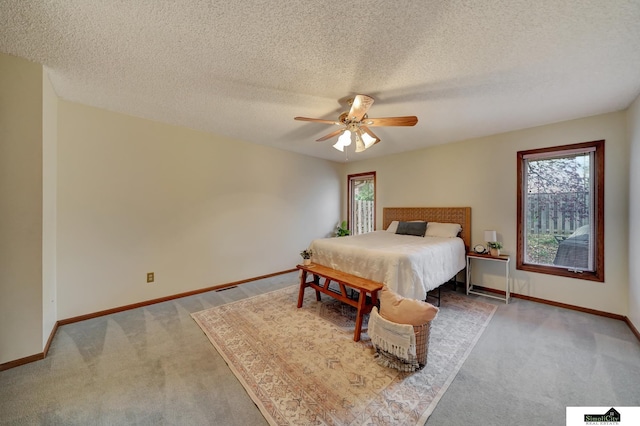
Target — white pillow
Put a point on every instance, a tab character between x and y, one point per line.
445	230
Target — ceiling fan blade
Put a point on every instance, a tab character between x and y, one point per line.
410	120
317	120
359	107
370	133
330	135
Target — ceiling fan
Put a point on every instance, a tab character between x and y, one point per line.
357	122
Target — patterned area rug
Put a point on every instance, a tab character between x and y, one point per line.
302	367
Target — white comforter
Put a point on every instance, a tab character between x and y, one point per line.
409	265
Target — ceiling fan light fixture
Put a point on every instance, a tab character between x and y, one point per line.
368	140
345	138
357	121
360	146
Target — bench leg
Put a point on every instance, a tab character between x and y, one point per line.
303	285
361	302
316	279
374	298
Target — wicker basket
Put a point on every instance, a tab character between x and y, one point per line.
422	333
412	363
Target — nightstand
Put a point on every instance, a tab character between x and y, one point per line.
487	257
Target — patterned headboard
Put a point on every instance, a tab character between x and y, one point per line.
461	215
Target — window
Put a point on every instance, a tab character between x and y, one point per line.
362	202
561	211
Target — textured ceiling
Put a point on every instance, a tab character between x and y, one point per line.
244	69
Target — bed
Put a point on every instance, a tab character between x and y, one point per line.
410	265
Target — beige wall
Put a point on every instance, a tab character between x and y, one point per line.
137	196
634	213
20	208
481	173
49	205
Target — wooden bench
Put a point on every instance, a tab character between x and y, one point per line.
364	286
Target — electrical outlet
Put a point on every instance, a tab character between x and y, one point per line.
150	277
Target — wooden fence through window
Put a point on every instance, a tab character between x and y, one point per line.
557	214
363	217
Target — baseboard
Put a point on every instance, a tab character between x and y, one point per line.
32	358
43	354
557	304
166	298
48	345
633	328
21	361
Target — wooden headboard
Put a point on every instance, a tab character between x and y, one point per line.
461	215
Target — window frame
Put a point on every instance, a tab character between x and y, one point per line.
598	213
350	195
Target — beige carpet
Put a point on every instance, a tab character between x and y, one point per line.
302	367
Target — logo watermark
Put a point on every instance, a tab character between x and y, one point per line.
616	416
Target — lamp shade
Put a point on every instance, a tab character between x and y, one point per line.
345	138
359	144
368	140
490	236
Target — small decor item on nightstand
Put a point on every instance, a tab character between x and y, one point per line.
479	249
494	248
306	256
